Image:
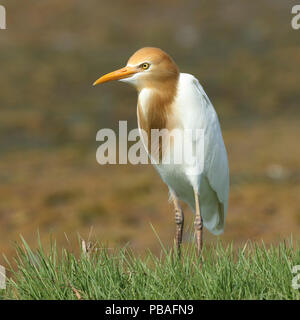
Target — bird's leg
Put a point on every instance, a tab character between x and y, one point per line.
198	224
179	220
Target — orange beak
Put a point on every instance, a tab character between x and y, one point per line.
117	75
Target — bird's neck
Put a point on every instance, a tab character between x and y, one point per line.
155	104
155	111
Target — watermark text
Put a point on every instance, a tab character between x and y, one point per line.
157	146
296	279
2	278
296	19
2	17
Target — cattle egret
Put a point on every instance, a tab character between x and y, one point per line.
171	100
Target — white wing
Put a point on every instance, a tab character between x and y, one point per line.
214	181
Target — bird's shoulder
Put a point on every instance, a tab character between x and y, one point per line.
188	79
189	85
193	102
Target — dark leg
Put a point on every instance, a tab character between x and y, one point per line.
179	220
198	223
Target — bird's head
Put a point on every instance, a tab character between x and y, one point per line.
146	68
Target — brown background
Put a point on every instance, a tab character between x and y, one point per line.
245	54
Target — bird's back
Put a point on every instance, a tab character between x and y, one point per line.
213	182
194	111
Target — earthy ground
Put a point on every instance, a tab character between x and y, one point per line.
67	192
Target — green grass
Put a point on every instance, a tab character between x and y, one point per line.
252	272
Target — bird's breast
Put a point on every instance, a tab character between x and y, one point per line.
157	117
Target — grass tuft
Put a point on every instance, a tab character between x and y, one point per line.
251	272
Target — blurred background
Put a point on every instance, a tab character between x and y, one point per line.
245	54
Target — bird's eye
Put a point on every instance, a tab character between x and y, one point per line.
145	66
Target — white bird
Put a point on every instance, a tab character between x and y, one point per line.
171	100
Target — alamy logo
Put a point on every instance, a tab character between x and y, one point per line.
296	19
174	147
2	18
2	278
